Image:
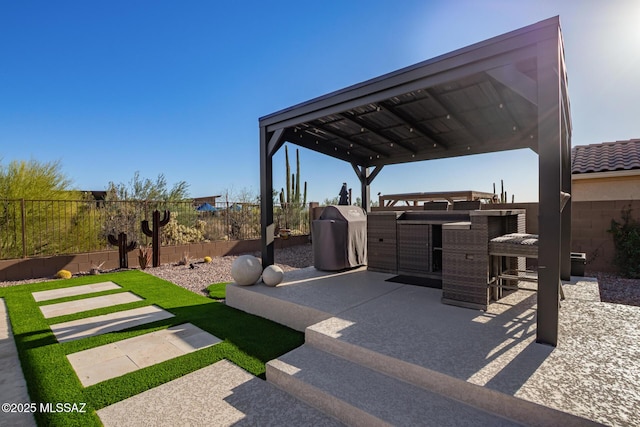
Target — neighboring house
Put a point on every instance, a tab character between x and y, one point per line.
197	201
606	171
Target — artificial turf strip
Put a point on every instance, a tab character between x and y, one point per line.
248	341
218	290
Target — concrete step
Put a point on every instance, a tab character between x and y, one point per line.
379	354
360	396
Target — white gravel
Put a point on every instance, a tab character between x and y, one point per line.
218	270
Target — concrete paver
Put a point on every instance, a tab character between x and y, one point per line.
221	394
74	291
96	325
13	387
86	304
113	360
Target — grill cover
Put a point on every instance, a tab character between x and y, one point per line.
339	238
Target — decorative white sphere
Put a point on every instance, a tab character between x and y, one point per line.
272	275
246	270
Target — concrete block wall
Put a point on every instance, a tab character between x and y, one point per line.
29	268
589	224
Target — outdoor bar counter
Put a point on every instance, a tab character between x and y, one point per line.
449	245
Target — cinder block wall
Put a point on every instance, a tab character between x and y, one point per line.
589	224
28	268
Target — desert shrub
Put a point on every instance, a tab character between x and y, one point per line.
207	259
63	274
626	239
177	234
144	257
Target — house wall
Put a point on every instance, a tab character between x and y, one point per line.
28	268
623	185
589	224
590	221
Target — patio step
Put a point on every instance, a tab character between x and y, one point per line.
359	396
324	337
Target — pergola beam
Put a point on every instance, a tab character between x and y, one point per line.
366	178
355	119
417	127
518	82
346	140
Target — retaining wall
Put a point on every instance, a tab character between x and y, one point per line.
28	268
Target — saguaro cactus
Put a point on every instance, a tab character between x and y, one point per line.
291	200
155	233
123	247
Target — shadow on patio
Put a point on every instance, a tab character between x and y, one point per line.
486	359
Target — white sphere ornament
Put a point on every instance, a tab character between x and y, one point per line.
246	270
272	275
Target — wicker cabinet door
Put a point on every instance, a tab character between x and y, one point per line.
381	242
414	248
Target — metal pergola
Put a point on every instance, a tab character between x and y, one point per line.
505	93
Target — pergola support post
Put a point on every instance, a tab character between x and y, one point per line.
565	239
269	144
366	178
551	165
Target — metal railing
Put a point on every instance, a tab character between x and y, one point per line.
31	228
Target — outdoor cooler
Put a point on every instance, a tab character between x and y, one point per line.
339	238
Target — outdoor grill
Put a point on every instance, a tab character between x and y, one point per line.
339	238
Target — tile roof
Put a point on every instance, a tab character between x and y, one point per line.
606	157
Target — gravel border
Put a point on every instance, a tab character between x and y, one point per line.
613	288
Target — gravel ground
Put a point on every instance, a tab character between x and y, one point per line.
613	288
616	289
219	269
204	274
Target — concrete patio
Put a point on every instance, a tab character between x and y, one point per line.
381	352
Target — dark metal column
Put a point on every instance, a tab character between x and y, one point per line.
266	198
365	182
565	269
365	190
550	186
565	252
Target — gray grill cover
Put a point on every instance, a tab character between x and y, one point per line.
339	238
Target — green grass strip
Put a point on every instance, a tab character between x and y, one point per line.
218	290
248	341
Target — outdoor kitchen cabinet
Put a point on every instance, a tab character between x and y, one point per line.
408	243
414	248
382	241
466	261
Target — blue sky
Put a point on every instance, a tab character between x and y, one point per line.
109	88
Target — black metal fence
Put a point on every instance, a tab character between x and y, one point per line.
54	227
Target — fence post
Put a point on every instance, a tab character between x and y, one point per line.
23	221
226	219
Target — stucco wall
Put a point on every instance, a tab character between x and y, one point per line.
605	187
